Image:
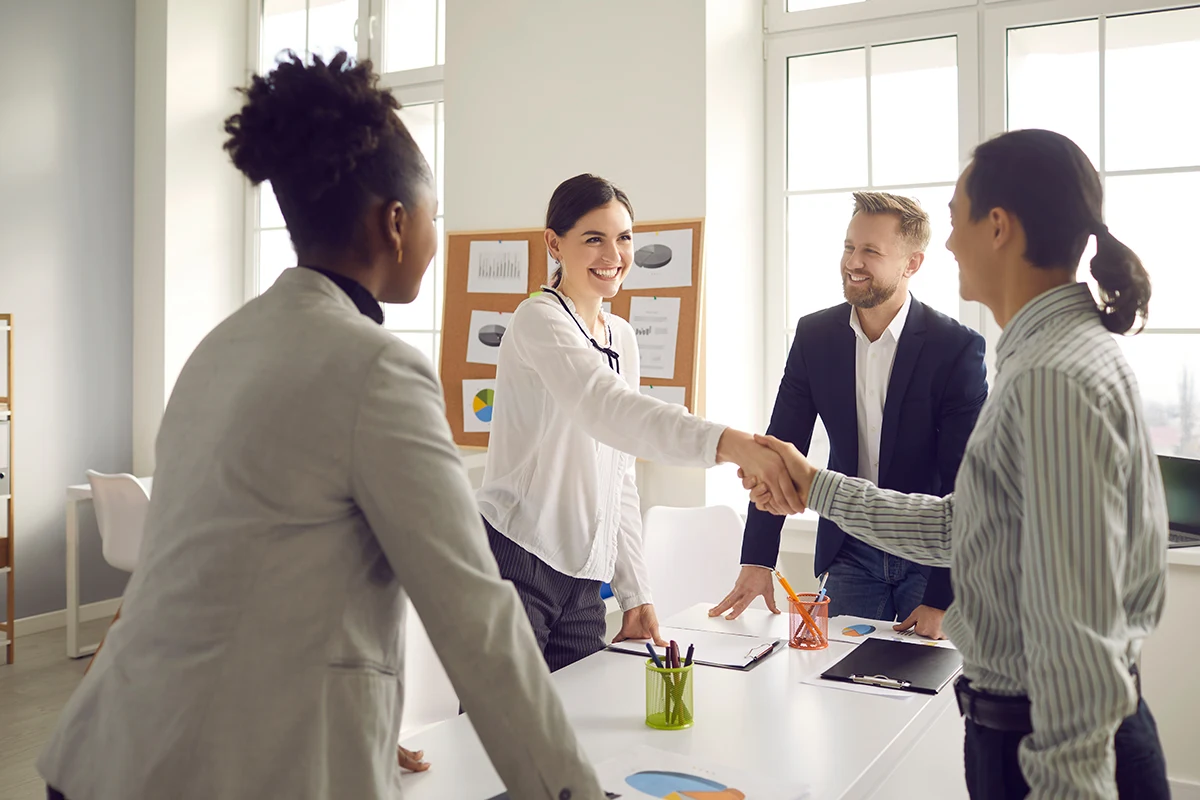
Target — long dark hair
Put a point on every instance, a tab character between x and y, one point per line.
576	197
1044	180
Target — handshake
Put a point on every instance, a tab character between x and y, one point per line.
777	476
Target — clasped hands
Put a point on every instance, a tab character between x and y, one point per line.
775	473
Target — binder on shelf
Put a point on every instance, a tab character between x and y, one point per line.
897	665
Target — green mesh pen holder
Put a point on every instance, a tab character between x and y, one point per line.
669	704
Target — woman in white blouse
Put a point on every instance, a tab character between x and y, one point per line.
558	494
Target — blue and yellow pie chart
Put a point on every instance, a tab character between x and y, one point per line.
482	405
680	786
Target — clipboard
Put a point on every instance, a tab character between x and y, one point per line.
897	665
729	650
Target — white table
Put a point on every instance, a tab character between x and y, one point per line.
835	742
79	493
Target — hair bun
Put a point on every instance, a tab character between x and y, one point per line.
315	122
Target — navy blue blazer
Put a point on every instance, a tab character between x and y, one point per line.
937	387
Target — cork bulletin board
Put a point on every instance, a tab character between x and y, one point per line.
489	273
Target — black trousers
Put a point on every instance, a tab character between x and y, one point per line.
993	772
566	613
54	794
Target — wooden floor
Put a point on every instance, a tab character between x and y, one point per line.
32	692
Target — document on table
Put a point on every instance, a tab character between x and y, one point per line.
856	630
710	649
752	622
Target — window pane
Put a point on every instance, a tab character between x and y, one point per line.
421	121
914	112
827	121
269	215
331	27
275	254
439	275
1168	373
439	165
411	39
1150	82
1148	213
425	342
284	26
1054	81
816	233
805	5
936	284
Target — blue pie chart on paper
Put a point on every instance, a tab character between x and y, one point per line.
858	630
666	784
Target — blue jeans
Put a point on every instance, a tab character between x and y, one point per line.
867	582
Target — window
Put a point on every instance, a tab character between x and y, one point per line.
1101	81
411	51
887	114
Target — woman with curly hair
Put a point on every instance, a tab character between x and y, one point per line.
306	482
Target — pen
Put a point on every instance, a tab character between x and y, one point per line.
687	662
654	655
913	641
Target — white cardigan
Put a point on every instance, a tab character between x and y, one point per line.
566	430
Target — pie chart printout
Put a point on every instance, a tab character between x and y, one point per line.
653	256
483	404
491	335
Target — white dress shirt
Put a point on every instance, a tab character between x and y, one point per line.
872	372
566	431
1056	538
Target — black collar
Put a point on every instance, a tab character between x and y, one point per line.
366	304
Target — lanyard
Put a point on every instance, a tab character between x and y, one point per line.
614	358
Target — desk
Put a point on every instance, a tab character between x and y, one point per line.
77	494
838	743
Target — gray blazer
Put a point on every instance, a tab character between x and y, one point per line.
306	481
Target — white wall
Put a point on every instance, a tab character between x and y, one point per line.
189	240
66	219
538	91
735	190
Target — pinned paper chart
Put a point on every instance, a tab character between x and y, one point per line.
498	267
479	399
487	331
655	322
661	260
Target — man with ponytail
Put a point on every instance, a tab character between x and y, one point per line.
1057	531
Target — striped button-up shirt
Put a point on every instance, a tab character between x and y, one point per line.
1056	535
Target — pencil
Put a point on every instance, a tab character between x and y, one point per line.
807	617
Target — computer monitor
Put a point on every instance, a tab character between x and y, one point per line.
1181	481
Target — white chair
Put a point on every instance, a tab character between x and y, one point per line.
121	502
429	696
693	556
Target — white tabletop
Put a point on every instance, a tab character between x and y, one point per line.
835	742
83	491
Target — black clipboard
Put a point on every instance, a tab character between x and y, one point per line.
897	665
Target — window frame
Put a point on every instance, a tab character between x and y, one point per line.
410	87
778	19
779	48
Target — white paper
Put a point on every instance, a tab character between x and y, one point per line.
483	338
661	260
646	772
606	307
668	394
655	320
751	622
499	267
855	631
713	649
478	399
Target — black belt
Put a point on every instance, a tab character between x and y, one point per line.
1001	712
